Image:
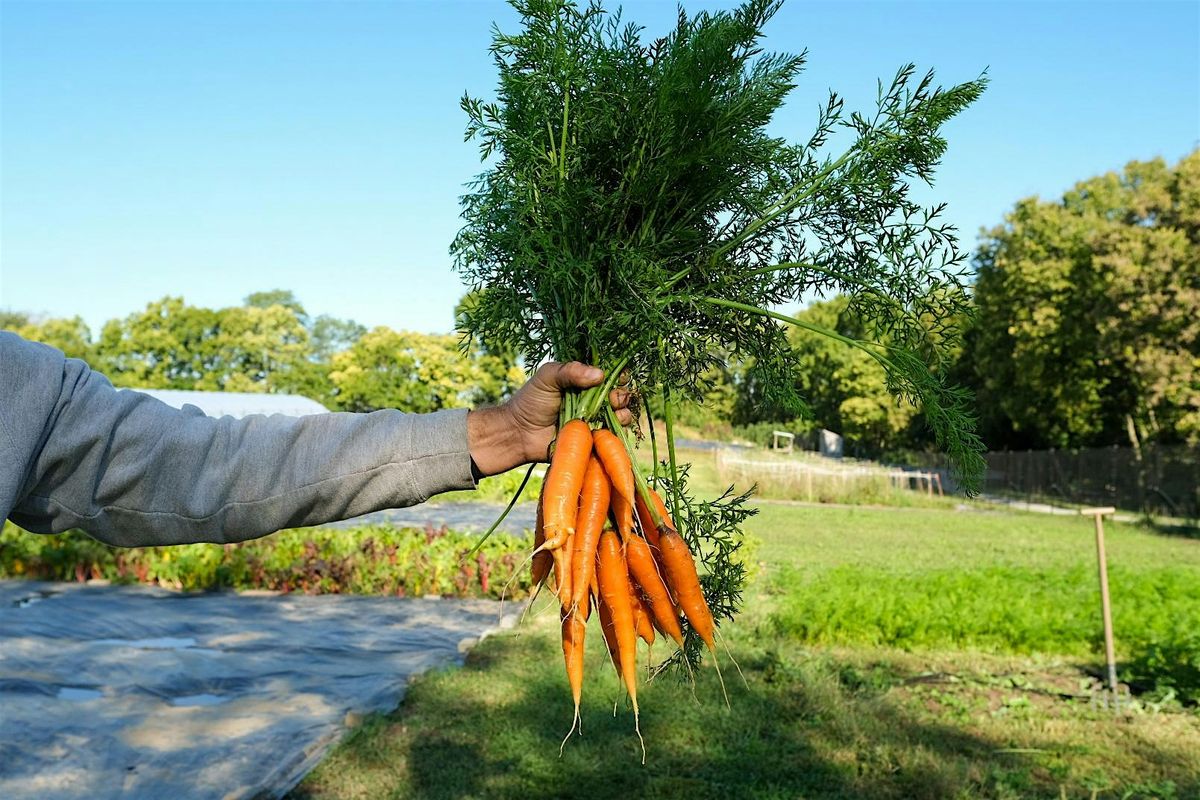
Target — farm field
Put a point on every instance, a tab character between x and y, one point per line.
910	653
709	478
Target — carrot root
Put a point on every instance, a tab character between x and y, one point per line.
574	628
729	653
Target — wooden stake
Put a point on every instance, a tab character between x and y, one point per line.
1105	608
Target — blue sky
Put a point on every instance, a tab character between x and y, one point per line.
211	149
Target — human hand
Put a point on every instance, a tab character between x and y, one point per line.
521	430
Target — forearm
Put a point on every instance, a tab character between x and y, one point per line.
133	472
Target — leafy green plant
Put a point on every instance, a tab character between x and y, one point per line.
1169	664
1006	609
372	559
636	214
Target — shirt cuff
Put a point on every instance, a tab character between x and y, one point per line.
441	458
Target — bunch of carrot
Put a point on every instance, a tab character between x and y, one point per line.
611	545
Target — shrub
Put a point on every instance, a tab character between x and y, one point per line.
372	559
1167	667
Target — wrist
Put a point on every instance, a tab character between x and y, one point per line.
494	440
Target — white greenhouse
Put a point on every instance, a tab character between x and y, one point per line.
237	404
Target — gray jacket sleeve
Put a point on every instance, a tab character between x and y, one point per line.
132	471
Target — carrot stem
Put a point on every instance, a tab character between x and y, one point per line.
503	514
669	415
593	400
653	443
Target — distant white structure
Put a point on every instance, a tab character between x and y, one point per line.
782	440
831	444
237	404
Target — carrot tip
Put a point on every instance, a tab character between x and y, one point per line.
638	730
721	679
574	722
729	653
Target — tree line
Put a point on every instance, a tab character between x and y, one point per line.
1086	332
271	344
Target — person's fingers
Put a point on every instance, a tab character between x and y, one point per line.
572	375
619	398
625	417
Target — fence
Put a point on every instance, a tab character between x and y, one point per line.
1160	480
809	477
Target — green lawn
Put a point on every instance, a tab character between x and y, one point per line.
832	710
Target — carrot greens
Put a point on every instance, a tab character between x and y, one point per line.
635	212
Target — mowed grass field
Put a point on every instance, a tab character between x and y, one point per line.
907	653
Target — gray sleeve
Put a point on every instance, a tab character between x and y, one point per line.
132	471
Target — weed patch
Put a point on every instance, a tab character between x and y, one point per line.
1004	610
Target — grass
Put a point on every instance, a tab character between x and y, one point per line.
849	718
819	538
998	608
812	478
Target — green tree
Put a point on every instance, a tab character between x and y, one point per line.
11	320
417	373
1088	328
844	387
328	335
172	345
71	335
277	297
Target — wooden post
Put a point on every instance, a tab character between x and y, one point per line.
1105	608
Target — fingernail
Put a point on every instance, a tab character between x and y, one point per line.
594	374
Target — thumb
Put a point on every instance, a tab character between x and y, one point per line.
572	375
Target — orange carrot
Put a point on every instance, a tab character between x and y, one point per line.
564	481
645	572
614	590
574	627
615	457
542	559
647	519
562	572
610	633
623	514
593	509
641	615
681	576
